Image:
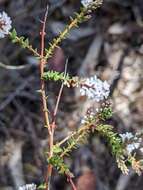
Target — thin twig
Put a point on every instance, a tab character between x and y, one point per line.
53	125
44	99
80	130
19	67
69	179
60	92
42	63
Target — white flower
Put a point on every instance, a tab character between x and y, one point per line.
132	142
90	116
126	136
84	120
86	3
131	147
5	24
94	88
28	187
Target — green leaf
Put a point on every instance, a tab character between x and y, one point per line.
13	34
42	186
57	149
26	42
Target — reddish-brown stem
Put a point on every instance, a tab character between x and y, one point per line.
51	140
42	63
44	100
69	179
51	137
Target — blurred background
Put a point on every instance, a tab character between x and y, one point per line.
109	45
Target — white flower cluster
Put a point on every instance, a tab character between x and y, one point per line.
86	3
131	141
28	187
126	136
5	24
95	89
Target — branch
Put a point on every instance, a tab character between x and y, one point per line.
60	93
79	18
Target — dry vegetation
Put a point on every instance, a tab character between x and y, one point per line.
110	45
